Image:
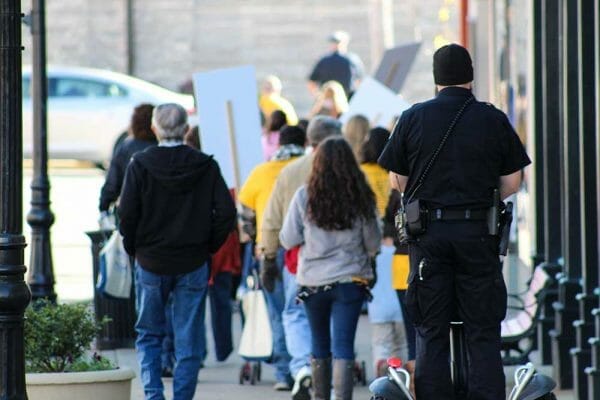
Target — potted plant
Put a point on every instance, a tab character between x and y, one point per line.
59	366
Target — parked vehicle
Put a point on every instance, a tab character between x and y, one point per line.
89	110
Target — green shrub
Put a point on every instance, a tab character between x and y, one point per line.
57	337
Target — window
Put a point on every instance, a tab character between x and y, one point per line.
79	87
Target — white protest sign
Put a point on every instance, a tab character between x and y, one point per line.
229	120
376	102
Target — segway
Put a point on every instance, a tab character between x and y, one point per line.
529	385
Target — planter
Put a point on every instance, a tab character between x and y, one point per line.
113	384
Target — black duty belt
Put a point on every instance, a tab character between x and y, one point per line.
444	214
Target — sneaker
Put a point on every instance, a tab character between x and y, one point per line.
282	387
302	384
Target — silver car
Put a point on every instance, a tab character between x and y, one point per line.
89	110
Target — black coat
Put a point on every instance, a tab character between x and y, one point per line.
175	209
116	172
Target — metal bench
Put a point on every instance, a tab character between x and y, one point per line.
518	330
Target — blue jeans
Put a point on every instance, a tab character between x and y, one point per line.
295	325
275	304
168	347
188	296
341	306
220	314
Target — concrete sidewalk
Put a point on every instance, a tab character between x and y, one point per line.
76	212
219	381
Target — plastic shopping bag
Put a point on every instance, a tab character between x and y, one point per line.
114	274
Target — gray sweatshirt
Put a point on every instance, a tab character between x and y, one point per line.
328	256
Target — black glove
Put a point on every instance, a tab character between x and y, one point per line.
374	269
269	273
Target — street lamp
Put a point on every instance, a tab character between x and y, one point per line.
14	293
40	217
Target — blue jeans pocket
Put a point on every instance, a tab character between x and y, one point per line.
350	293
196	280
146	278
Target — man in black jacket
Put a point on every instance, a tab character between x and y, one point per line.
175	211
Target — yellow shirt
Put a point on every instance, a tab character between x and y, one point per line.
270	103
400	268
257	189
378	180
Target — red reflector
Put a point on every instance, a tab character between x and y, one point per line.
394	362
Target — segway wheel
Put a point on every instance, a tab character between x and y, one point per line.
363	375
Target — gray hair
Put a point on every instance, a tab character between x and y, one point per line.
169	121
321	127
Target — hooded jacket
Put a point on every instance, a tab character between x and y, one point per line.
175	209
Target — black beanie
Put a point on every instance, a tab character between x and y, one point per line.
452	65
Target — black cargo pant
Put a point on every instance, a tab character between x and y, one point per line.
455	272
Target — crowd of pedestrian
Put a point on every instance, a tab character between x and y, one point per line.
315	219
177	219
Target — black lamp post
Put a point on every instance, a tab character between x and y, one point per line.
40	217
14	293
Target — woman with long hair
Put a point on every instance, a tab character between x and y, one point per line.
331	101
334	221
356	132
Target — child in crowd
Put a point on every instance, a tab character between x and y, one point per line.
387	328
400	269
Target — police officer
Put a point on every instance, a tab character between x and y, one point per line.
455	267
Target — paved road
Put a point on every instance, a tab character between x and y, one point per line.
74	198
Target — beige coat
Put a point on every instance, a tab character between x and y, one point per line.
292	176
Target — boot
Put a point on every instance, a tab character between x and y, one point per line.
343	379
321	378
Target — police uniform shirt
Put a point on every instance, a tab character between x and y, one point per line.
482	147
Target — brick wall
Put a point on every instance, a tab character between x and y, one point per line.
174	38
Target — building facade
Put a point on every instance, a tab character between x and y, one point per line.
166	41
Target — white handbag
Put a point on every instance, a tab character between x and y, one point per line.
256	342
114	273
